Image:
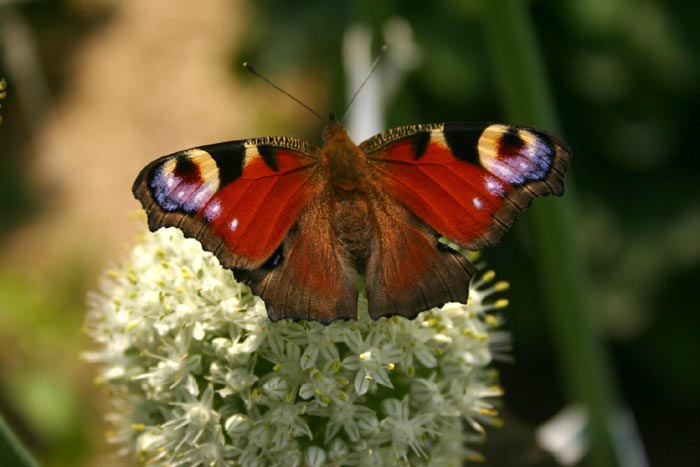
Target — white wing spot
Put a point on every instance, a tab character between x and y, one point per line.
211	213
477	203
494	187
234	224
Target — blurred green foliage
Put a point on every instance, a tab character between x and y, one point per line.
40	387
625	76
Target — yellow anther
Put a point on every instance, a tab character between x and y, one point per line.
492	321
131	277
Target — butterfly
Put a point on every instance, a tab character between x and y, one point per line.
298	222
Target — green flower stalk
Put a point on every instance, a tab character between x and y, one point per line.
199	376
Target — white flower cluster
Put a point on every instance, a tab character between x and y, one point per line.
199	376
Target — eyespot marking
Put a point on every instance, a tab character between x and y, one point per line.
514	155
185	181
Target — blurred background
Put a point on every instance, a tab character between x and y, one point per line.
98	88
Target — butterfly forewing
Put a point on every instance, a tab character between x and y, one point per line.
468	181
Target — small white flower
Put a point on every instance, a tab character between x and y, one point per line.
355	420
406	431
371	358
201	377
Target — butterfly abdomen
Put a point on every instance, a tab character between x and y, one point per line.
351	222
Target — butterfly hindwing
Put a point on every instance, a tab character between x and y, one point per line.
239	198
310	277
468	181
409	271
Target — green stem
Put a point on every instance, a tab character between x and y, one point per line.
528	99
12	452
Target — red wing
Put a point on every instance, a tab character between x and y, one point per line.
468	181
239	199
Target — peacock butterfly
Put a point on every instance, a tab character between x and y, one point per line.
298	223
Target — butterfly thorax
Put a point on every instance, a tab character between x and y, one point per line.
345	163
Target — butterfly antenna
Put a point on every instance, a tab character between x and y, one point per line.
380	55
252	70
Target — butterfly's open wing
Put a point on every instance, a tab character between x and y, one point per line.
239	198
468	181
255	205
